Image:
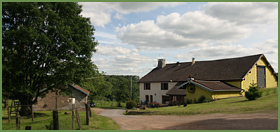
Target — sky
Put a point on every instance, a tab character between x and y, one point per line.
133	36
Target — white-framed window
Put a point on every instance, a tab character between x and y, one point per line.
147	86
164	86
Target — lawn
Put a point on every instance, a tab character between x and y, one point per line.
269	101
108	104
43	120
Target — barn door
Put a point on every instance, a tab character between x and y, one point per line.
261	76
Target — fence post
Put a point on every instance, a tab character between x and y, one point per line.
87	114
73	118
32	113
9	114
18	122
27	127
55	120
78	119
89	110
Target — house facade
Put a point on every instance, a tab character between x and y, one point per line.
155	91
56	101
214	79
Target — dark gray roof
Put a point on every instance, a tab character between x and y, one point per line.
73	86
215	85
212	86
176	91
215	70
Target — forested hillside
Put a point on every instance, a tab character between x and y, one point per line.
112	87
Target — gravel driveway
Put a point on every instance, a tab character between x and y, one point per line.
249	121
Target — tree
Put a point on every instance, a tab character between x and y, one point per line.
43	45
96	84
121	87
253	92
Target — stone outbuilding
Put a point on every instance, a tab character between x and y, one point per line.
53	101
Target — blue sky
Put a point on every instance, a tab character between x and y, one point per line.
132	36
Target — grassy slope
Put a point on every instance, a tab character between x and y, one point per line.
269	101
43	118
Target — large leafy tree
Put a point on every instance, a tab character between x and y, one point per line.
44	45
96	84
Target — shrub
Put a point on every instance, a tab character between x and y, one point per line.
194	101
253	92
201	99
119	104
130	104
189	101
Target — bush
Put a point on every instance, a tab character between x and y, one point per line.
201	99
130	104
189	101
119	104
253	92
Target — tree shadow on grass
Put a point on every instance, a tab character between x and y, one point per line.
36	115
113	107
228	124
139	113
241	101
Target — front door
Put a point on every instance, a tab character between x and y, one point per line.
165	98
147	99
151	96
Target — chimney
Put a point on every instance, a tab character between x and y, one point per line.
161	63
178	63
193	61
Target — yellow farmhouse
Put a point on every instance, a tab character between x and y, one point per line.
214	79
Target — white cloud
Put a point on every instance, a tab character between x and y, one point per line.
100	13
105	35
97	12
128	64
118	16
111	50
175	31
130	7
148	35
244	12
133	59
201	26
269	48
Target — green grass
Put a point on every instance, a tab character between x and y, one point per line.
44	118
108	104
269	101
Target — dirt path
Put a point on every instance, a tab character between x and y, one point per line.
249	121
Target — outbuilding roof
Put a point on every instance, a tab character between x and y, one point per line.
74	86
214	70
80	89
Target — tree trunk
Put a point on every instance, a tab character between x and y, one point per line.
6	103
25	108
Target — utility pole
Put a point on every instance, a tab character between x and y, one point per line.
131	87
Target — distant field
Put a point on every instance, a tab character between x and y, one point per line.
269	101
108	104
